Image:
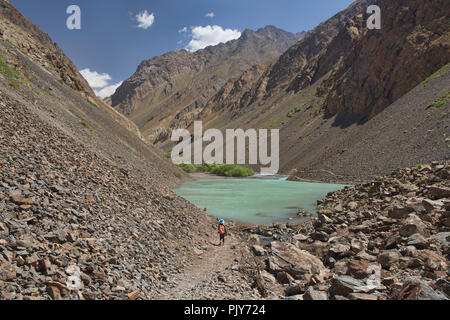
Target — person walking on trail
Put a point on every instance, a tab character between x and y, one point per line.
222	232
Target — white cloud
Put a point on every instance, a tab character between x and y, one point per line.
183	30
145	19
203	37
108	91
210	15
100	81
95	79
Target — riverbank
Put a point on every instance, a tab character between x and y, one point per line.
386	239
397	226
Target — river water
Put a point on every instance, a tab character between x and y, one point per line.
255	200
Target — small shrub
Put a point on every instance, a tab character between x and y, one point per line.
92	103
439	103
15	83
85	124
177	174
438	73
227	170
11	73
436	104
187	167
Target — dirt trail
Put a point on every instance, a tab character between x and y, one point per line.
214	274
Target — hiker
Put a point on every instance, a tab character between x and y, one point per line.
222	232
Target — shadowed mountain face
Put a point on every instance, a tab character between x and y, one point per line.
365	70
293	69
383	65
181	81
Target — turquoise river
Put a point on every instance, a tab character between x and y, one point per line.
253	200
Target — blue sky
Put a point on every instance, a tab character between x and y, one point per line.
110	45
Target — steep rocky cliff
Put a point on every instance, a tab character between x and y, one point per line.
383	65
370	69
30	41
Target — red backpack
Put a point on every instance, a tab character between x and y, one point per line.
222	229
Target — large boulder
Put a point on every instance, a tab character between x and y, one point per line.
360	269
400	212
415	289
413	225
439	192
418	241
316	295
343	286
266	276
258	251
432	260
339	251
443	239
388	258
287	257
431	205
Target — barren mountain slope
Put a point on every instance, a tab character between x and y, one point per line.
29	39
181	82
79	190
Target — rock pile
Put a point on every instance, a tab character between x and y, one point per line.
75	226
387	239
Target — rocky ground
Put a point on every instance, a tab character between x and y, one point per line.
86	208
387	239
217	272
67	212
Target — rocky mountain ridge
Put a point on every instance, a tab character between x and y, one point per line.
164	86
332	86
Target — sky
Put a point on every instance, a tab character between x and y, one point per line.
117	35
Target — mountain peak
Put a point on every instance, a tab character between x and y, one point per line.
166	76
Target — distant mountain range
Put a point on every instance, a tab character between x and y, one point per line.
327	86
164	87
